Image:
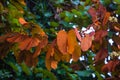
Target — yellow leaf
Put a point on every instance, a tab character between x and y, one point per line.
62	41
72	41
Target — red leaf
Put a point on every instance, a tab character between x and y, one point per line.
101	55
62	41
100	34
77	34
86	43
106	18
110	67
92	12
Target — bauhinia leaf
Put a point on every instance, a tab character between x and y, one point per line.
54	64
86	42
110	66
100	34
62	41
22	21
101	55
106	18
77	53
72	41
77	34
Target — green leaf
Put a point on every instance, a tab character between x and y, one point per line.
85	73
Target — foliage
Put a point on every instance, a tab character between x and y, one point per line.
60	39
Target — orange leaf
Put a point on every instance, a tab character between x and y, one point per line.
106	18
22	21
54	64
86	43
77	53
62	41
72	41
34	42
77	34
24	44
14	38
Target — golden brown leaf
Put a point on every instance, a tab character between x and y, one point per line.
72	41
66	57
62	41
77	53
86	43
48	64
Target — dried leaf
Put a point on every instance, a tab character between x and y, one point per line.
54	64
106	18
77	34
62	41
86	43
22	21
101	55
77	53
72	41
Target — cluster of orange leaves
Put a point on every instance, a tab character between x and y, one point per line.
67	45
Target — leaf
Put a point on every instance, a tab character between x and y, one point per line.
77	34
92	12
4	37
77	53
101	55
22	21
110	66
48	63
54	64
100	34
30	61
62	41
72	41
106	18
24	44
66	57
86	43
116	39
